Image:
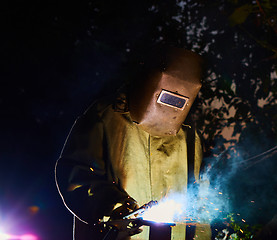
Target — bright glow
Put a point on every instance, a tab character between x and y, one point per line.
9	224
165	211
28	237
5	236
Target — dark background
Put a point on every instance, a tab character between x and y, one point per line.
57	57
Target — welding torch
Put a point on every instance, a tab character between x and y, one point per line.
142	209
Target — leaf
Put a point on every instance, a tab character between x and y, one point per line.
240	14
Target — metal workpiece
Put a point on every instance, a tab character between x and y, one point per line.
159	231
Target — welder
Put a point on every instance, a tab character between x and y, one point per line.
134	147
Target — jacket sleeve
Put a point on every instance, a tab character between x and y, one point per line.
83	175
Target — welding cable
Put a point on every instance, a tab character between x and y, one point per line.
260	160
250	160
261	154
266	154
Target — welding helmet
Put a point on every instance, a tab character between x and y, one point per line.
160	102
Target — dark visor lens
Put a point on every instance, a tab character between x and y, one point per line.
172	99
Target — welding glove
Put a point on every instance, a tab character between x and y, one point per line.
124	209
126	227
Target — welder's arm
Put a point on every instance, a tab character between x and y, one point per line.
83	176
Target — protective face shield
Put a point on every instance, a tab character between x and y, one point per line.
160	104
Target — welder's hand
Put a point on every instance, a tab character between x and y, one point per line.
127	207
126	227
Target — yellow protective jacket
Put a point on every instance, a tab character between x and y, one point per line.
108	159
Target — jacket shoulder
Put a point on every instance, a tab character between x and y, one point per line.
99	106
